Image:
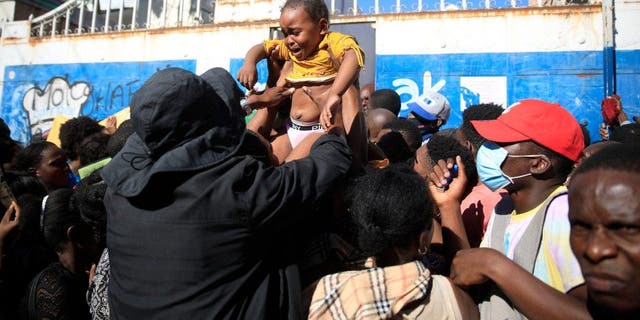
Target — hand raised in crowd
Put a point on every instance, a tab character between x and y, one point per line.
8	223
111	125
604	132
622	115
447	188
9	220
248	75
446	183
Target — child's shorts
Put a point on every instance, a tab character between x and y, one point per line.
298	130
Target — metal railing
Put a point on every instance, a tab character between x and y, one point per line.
105	16
89	16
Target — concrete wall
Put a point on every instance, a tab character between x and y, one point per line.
475	56
7	9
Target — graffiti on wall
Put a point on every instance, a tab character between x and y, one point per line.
473	90
34	94
58	97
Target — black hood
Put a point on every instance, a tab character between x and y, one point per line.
182	122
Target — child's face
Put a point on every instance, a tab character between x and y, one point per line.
302	35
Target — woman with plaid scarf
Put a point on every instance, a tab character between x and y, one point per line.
393	214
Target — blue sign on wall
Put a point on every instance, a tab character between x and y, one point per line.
34	94
572	79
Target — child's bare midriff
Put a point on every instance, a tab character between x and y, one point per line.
303	107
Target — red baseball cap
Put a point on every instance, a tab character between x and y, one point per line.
547	124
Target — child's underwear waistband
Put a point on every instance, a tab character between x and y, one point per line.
303	126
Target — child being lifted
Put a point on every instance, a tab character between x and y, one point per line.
325	65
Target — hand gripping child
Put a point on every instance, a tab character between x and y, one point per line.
323	66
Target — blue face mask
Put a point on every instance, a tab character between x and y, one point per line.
488	162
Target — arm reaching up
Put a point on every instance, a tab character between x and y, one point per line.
248	74
447	192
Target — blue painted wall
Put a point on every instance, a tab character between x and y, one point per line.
391	6
236	63
573	79
34	94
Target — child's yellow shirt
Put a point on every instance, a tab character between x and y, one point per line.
324	64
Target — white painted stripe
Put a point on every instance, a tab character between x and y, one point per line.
627	25
548	33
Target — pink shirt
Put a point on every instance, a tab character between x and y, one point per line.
476	209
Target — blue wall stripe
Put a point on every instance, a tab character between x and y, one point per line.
609	71
575	79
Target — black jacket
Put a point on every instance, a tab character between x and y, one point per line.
212	241
213	247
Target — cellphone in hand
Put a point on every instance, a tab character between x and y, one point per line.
453	173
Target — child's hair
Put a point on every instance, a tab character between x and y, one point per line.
316	9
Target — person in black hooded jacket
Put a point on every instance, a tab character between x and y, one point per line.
200	227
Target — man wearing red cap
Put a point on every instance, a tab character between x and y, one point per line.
530	151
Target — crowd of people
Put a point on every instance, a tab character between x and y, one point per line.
322	205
